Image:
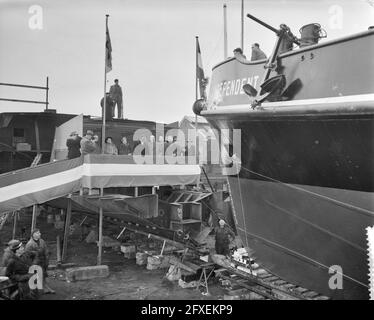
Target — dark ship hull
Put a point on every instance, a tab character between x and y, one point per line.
304	193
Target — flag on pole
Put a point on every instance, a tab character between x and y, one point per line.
108	51
200	71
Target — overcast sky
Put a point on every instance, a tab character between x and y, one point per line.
153	47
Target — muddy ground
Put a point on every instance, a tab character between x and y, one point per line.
126	281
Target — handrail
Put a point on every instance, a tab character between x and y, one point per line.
46	88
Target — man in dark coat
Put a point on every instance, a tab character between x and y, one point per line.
124	148
87	143
38	247
116	95
17	267
222	238
8	252
109	107
74	145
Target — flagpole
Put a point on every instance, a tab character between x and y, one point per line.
225	54
196	97
196	58
105	72
242	26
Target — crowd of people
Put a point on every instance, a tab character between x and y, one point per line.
17	260
90	143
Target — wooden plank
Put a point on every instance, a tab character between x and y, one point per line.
322	298
261	271
185	221
264	276
179	264
310	294
301	290
288	286
270	279
33	219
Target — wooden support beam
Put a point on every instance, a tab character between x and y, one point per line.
58	250
100	250
34	214
66	230
37	138
163	247
120	234
15	214
84	219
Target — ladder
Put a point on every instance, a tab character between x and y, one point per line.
36	160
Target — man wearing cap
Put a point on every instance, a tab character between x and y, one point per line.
17	266
8	253
37	246
222	238
115	93
74	145
87	144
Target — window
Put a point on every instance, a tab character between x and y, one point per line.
18	132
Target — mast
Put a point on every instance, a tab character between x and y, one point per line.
196	65
242	26
225	55
105	72
196	97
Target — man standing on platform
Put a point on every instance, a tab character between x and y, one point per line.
115	93
87	144
74	144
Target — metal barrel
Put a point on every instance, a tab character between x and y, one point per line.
310	34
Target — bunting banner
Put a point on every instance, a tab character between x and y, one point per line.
36	185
